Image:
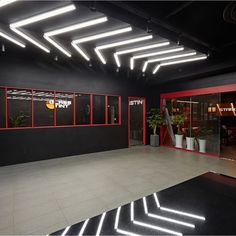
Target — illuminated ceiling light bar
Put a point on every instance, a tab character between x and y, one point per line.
120	43
67	53
65	231
124	42
122	52
120	231
83	228
100	56
102	35
183	213
170	50
11	39
187	54
184	60
43	16
144	66
81	52
156	200
76	26
31	40
117	218
100	224
156	69
6	2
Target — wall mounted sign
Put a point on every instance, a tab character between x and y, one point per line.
59	104
136	102
226	109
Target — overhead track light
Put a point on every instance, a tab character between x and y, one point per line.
14	26
6	2
173	62
81	25
160	52
9	38
122	52
120	43
96	37
164	58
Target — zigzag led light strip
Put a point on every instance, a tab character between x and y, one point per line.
75	42
120	43
9	38
160	52
137	49
6	2
187	54
70	28
15	26
174	62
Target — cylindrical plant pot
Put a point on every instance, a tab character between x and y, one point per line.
202	145
190	143
154	140
179	140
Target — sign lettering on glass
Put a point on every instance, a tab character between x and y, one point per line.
136	102
59	104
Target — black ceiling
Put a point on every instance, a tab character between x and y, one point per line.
208	27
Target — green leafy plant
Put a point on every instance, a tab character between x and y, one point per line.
17	121
178	120
155	119
204	132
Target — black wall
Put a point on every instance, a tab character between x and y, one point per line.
27	71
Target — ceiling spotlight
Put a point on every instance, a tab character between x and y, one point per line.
56	58
90	64
117	69
143	74
6	2
3	48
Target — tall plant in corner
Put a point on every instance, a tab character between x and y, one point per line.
154	119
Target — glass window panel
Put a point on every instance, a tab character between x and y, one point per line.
2	108
43	108
82	102
19	108
64	109
113	110
98	109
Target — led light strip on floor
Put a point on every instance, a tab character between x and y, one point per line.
159	52
119	43
75	42
137	49
167	63
43	16
70	28
11	39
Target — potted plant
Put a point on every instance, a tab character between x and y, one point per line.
190	138
154	119
178	121
202	138
17	120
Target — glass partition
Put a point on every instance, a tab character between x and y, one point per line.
82	102
98	109
2	108
113	110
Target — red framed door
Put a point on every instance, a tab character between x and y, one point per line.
136	121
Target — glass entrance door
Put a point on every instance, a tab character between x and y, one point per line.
137	121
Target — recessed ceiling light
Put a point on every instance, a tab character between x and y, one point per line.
95	37
6	36
159	52
40	17
136	49
119	43
6	2
164	58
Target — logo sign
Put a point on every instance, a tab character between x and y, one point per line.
136	102
59	104
226	109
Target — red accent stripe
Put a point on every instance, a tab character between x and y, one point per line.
74	110
91	109
6	107
32	109
106	110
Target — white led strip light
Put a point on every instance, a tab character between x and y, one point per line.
160	52
100	224
96	37
9	38
6	2
164	58
137	49
167	63
70	28
37	18
120	43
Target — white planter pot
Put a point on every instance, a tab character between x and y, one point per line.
190	143
202	145
179	140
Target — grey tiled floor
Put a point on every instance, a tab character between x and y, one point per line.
42	197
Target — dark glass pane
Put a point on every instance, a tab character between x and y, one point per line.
113	110
98	109
43	108
19	108
82	102
64	109
2	108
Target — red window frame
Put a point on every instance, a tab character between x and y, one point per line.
55	114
